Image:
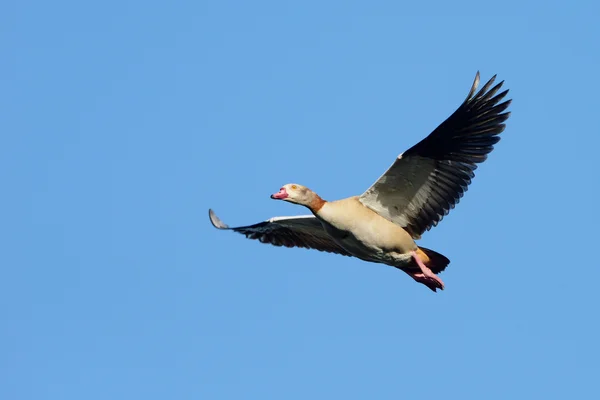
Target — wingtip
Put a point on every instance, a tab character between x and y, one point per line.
474	86
485	88
216	221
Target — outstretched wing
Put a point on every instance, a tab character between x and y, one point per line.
428	180
303	231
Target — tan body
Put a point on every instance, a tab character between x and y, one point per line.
365	234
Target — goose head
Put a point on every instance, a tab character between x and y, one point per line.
297	194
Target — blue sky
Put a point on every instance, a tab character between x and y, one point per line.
123	122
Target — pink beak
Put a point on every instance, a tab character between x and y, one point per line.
282	194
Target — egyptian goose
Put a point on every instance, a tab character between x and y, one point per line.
422	185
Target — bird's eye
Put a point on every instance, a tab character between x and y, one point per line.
294	187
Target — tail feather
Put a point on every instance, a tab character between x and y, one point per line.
437	262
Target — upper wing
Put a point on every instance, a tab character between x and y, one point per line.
427	181
302	231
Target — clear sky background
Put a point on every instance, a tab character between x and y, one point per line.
122	122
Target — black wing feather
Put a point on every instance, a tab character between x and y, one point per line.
303	231
428	180
460	143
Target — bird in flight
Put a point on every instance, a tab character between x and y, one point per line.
421	186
